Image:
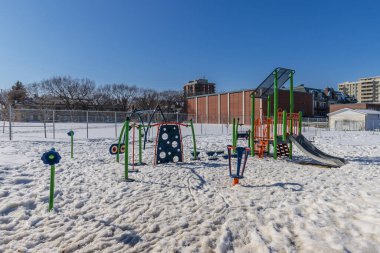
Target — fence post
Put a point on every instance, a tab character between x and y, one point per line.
45	123
53	124
10	122
87	123
177	117
115	125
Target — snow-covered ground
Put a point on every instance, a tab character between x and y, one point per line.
280	206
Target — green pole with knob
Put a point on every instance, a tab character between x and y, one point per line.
51	158
71	134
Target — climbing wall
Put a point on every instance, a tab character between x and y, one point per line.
168	145
282	150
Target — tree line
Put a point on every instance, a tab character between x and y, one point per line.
65	92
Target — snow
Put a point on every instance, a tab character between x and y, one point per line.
279	206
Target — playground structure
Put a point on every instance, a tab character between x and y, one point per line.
168	145
281	129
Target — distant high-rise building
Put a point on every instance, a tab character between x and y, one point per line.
365	90
198	87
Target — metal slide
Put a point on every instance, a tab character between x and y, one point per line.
310	150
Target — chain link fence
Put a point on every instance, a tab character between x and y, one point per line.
54	124
49	123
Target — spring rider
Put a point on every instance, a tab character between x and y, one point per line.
240	152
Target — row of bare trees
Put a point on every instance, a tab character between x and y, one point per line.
64	92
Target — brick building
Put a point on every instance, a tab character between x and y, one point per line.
221	108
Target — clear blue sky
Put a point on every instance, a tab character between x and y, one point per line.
164	43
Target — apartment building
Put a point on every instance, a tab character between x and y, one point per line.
198	87
365	90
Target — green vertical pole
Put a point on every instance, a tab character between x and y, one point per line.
126	148
72	145
291	109
51	199
119	143
252	136
284	125
194	143
236	131
233	132
140	144
275	115
268	115
249	142
300	123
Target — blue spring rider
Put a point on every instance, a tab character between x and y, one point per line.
241	155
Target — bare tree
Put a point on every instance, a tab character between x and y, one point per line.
147	99
172	101
82	93
73	93
123	95
34	90
102	97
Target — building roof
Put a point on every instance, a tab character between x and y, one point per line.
365	112
307	89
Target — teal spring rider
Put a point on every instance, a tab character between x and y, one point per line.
51	158
241	156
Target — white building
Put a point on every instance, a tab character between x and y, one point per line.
354	120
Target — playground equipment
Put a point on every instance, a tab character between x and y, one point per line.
193	155
168	143
121	147
308	148
150	114
214	155
264	130
51	158
71	134
236	134
168	147
239	173
282	129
